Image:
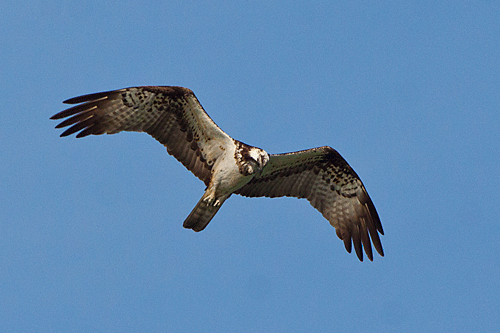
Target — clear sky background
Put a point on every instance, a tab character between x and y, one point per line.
91	236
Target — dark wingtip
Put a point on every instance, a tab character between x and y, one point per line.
90	97
74	100
380	229
65	133
82	134
58	115
380	249
348	246
359	253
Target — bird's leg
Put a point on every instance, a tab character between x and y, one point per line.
210	197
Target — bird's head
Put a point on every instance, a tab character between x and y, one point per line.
255	160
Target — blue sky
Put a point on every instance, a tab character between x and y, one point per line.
91	236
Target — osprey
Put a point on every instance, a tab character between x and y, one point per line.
175	117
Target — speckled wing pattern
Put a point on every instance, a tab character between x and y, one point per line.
172	115
324	178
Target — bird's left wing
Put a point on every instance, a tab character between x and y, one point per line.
324	178
172	115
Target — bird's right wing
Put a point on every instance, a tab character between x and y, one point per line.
172	115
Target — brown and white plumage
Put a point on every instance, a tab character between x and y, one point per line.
324	178
174	117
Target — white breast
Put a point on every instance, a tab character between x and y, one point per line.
226	175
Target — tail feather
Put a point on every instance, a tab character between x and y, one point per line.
201	215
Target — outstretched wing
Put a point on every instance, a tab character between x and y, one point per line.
172	115
324	178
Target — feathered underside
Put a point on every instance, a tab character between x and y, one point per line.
171	115
324	178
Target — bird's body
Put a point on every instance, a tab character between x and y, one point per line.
174	117
226	179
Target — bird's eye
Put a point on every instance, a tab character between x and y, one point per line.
248	169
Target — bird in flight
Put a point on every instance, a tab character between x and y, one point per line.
175	117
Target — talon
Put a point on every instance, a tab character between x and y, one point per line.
211	201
